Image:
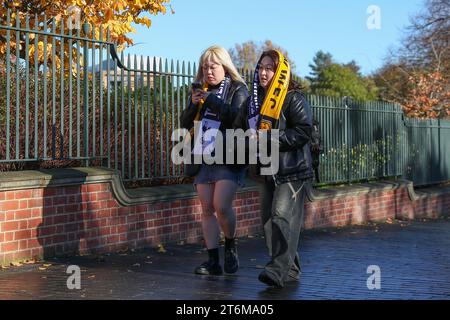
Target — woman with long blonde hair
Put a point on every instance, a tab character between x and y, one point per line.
216	97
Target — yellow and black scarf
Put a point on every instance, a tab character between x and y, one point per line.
266	116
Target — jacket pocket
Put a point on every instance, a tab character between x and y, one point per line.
292	162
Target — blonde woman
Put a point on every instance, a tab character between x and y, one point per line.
217	95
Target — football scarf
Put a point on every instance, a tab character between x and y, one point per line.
205	144
265	116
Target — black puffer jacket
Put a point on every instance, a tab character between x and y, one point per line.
227	109
295	125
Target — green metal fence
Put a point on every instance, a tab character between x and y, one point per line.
371	140
75	99
78	100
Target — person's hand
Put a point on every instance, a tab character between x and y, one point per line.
315	148
264	134
254	137
197	96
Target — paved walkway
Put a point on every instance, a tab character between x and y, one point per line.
414	259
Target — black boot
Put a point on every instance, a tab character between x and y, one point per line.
268	279
212	266
231	264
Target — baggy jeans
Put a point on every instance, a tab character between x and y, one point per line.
282	210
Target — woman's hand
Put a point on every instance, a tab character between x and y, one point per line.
198	95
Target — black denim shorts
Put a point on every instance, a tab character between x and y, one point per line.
216	172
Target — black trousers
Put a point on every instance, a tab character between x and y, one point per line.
282	210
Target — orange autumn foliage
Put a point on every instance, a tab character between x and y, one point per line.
428	96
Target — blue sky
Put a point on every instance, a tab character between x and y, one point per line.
301	27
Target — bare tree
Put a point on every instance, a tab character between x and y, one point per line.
246	55
427	44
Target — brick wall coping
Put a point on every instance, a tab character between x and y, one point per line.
32	179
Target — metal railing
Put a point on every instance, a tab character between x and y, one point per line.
75	99
366	140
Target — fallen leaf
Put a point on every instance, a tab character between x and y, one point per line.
47	265
161	248
100	259
16	264
40	268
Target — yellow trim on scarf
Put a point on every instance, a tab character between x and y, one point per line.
200	105
197	116
273	102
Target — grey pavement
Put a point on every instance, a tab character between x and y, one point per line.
413	257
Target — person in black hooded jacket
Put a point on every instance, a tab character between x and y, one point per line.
216	101
282	194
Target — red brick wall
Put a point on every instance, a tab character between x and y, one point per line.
58	220
426	206
350	209
88	219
